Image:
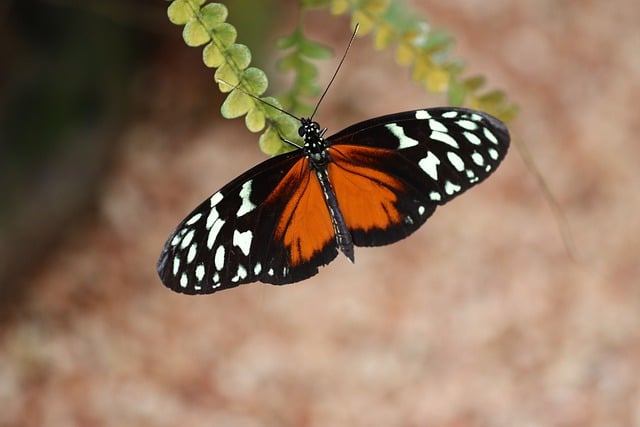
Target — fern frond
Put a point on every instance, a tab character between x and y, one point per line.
205	25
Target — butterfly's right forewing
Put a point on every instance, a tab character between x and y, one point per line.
406	164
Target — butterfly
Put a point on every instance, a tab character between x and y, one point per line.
371	184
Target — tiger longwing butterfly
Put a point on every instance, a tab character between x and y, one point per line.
371	184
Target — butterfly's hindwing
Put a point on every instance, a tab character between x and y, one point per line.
300	231
380	202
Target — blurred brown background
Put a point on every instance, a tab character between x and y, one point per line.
111	134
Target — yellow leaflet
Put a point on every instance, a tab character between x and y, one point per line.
194	34
211	56
405	54
437	80
270	142
338	7
255	120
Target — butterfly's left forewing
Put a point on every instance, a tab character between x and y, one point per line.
269	224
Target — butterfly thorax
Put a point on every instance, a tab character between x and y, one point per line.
315	147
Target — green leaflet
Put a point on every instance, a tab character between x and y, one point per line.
256	81
181	11
195	34
212	56
237	104
255	120
213	14
225	34
240	54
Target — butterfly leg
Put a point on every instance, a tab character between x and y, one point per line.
291	143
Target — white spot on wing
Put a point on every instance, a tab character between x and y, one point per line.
241	274
177	238
450	114
435	196
176	265
477	158
218	258
456	161
213	217
243	240
193	250
257	269
187	239
493	154
467	124
451	188
472	138
403	140
194	219
184	281
436	126
200	272
430	164
213	233
245	194
420	210
216	198
422	115
444	137
490	136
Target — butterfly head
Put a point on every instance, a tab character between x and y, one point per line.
314	145
310	129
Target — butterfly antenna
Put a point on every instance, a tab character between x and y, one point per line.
257	98
344	55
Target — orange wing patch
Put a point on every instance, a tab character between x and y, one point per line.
366	196
304	226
